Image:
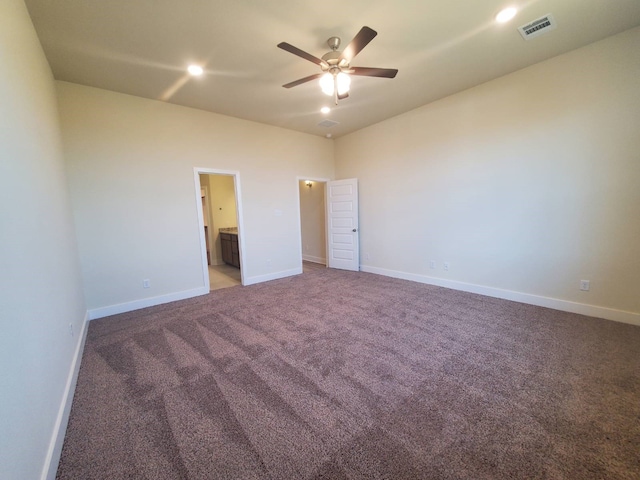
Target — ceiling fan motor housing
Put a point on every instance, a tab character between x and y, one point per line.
333	62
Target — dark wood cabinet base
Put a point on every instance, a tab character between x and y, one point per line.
230	250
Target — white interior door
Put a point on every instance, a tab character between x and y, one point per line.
342	228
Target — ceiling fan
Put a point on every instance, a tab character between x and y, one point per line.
335	65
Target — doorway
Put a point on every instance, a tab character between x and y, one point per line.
329	223
313	236
220	224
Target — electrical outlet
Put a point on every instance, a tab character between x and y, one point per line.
269	263
445	266
71	329
585	285
146	283
366	256
432	264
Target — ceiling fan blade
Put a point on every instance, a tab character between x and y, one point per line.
303	80
361	40
373	72
301	53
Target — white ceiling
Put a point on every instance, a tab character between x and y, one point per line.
142	47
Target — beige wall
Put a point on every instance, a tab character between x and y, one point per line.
312	221
40	284
528	183
131	166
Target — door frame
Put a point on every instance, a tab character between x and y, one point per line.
207	215
326	238
197	171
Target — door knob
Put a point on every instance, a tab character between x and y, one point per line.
354	230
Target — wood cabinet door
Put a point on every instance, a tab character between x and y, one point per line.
225	243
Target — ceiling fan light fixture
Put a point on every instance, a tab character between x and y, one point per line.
344	82
330	82
326	84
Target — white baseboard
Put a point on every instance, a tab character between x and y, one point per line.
172	297
52	459
557	304
272	276
311	258
145	302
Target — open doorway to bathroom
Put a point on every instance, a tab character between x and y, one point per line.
313	224
220	225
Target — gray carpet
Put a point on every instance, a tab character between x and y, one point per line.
345	375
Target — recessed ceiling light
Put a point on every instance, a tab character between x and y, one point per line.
506	14
328	135
195	70
325	109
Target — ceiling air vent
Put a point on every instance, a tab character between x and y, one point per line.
537	27
327	123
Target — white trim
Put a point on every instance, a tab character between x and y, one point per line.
54	452
203	241
240	218
146	302
210	225
555	303
311	258
273	276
